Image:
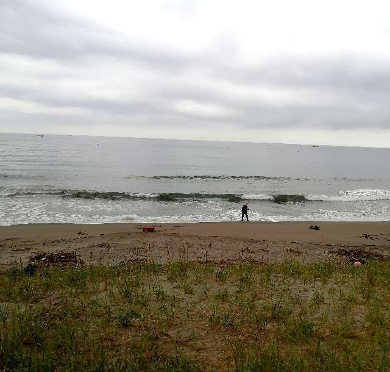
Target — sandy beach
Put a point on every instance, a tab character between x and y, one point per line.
262	242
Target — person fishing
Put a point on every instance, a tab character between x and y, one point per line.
244	210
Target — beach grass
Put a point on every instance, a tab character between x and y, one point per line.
187	316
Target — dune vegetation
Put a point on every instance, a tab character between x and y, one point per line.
183	316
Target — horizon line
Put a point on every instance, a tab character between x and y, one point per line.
194	140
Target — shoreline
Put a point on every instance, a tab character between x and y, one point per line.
223	242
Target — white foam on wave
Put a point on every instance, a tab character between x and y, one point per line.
335	215
257	197
145	195
4	193
353	195
75	218
227	216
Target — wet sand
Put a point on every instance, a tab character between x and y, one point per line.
262	242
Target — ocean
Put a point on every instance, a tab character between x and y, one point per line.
85	179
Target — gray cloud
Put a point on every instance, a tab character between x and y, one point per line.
111	106
34	31
341	71
336	91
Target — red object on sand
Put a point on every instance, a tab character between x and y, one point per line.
148	229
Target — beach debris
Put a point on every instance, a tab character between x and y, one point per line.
104	245
148	229
357	264
60	259
314	227
368	236
358	255
82	233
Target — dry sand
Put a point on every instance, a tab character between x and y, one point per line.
263	242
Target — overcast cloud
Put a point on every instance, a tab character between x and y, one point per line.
296	72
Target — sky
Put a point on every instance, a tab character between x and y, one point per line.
302	71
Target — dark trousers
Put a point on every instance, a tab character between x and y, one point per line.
244	214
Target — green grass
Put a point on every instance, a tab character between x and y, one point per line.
197	317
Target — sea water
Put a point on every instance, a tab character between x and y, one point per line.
85	179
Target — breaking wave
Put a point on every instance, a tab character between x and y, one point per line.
342	196
164	197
